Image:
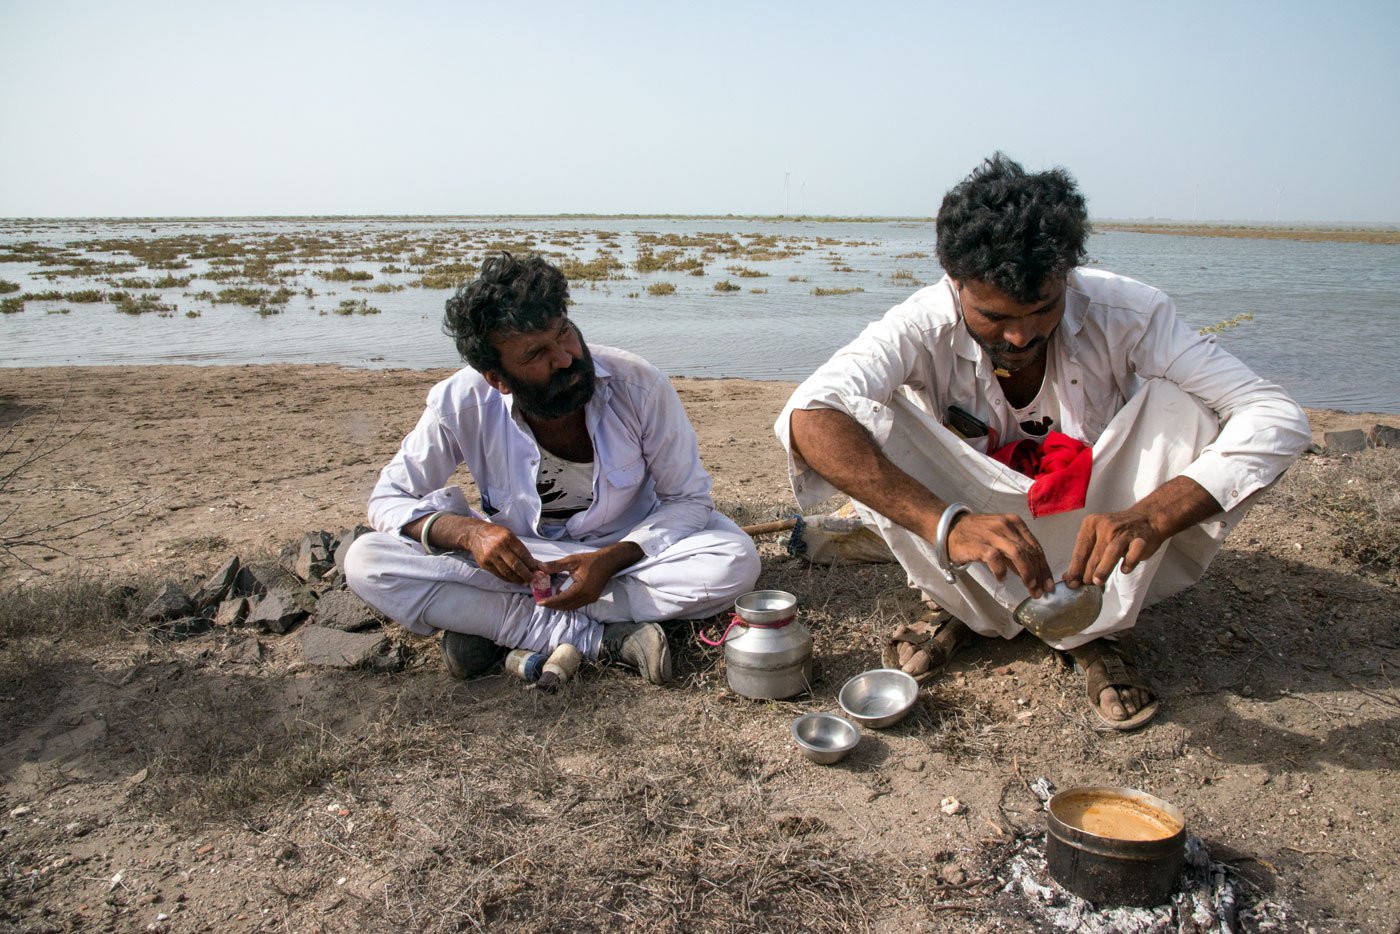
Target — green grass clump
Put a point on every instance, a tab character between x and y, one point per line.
661	288
381	287
604	266
445	276
798	279
138	304
821	291
351	306
6	287
758	291
903	275
252	298
10	306
341	274
86	296
744	272
726	286
1228	323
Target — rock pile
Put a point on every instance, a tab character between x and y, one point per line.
333	626
1356	440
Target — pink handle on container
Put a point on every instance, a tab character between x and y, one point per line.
736	620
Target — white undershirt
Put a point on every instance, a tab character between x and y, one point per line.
1030	421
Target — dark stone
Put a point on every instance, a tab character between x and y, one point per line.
336	649
243	652
170	603
232	612
1385	436
389	662
217	586
341	609
183	628
342	544
1345	442
258	580
279	611
314	556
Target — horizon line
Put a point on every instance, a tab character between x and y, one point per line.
810	218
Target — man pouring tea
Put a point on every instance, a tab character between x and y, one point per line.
1030	426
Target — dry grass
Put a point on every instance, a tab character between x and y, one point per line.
1359	496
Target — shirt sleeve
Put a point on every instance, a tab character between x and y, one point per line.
860	379
672	455
1262	429
411	485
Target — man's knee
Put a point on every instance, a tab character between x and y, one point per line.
366	566
738	566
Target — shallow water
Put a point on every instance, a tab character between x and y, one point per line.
1325	314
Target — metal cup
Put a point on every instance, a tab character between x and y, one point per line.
1062	612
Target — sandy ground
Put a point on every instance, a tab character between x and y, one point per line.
437	805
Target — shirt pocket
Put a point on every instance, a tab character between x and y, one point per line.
495	501
629	475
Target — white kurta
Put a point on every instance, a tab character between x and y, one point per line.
648	488
1156	400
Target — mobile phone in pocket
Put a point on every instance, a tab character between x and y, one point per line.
965	424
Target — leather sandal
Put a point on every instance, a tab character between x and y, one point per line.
913	648
1107	664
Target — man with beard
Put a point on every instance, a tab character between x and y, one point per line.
588	472
1140	442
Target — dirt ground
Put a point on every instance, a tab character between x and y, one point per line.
158	785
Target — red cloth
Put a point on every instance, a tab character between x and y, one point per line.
1060	466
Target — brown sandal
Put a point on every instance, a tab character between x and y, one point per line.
1107	664
914	649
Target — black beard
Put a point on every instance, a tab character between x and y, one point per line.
562	395
998	351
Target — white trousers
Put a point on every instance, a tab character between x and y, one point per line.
694	578
1152	439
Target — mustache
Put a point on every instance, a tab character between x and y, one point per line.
1008	347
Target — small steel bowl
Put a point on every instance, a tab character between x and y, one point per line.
825	737
879	697
765	606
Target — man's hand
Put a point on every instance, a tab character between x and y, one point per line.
1003	543
1134	534
1105	539
589	572
496	549
493	547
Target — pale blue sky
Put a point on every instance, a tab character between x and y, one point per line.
1170	110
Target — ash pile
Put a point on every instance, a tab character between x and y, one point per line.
1210	898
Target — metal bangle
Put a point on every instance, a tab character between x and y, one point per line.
423	532
941	558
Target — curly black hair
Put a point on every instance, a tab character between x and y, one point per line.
510	296
1012	230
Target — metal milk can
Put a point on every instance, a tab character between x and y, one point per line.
767	652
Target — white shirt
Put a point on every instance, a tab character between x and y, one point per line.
648	485
1116	332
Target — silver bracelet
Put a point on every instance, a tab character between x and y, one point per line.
941	559
423	532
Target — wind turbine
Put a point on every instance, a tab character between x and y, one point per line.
1278	197
787	191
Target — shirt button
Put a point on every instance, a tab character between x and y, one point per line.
1074	382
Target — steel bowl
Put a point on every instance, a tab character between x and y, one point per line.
825	737
765	606
879	697
1061	612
